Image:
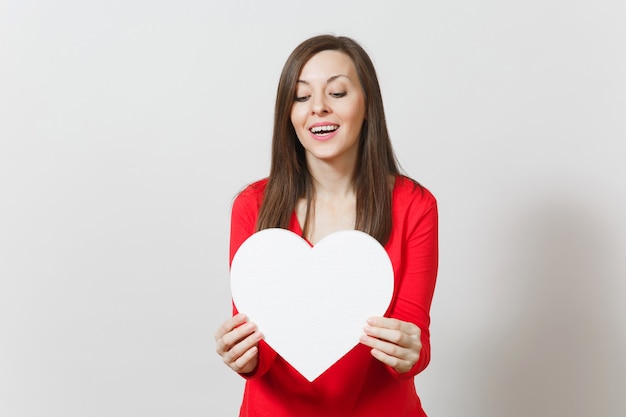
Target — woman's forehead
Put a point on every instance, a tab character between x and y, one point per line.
327	66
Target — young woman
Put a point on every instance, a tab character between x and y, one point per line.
333	168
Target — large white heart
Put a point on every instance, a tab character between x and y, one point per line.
311	303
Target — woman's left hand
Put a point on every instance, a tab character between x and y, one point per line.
394	342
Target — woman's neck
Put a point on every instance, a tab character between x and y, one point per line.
332	180
333	206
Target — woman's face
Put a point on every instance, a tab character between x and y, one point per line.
329	108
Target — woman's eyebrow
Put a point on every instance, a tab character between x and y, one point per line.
334	77
331	79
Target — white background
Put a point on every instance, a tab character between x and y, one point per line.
127	127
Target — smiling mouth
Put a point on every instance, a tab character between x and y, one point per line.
323	130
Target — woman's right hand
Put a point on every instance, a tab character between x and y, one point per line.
237	343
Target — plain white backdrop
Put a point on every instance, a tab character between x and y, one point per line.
127	128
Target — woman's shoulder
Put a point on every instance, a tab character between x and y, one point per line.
254	189
249	199
251	195
407	190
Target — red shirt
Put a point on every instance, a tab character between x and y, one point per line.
357	385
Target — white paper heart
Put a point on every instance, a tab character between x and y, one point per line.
311	303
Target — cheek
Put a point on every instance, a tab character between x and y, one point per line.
296	118
297	124
357	112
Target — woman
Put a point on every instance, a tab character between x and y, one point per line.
333	168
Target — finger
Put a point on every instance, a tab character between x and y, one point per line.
235	336
394	336
246	362
385	347
234	354
399	358
398	364
230	324
239	333
393	324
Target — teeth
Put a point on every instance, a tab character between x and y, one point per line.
320	129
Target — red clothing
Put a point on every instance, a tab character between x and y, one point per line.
357	385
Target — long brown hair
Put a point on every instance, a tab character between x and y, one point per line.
289	178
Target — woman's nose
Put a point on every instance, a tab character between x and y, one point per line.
320	106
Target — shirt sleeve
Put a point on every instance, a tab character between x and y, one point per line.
419	273
242	226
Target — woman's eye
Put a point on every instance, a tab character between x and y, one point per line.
338	95
301	98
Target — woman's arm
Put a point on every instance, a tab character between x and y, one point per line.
403	342
238	341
